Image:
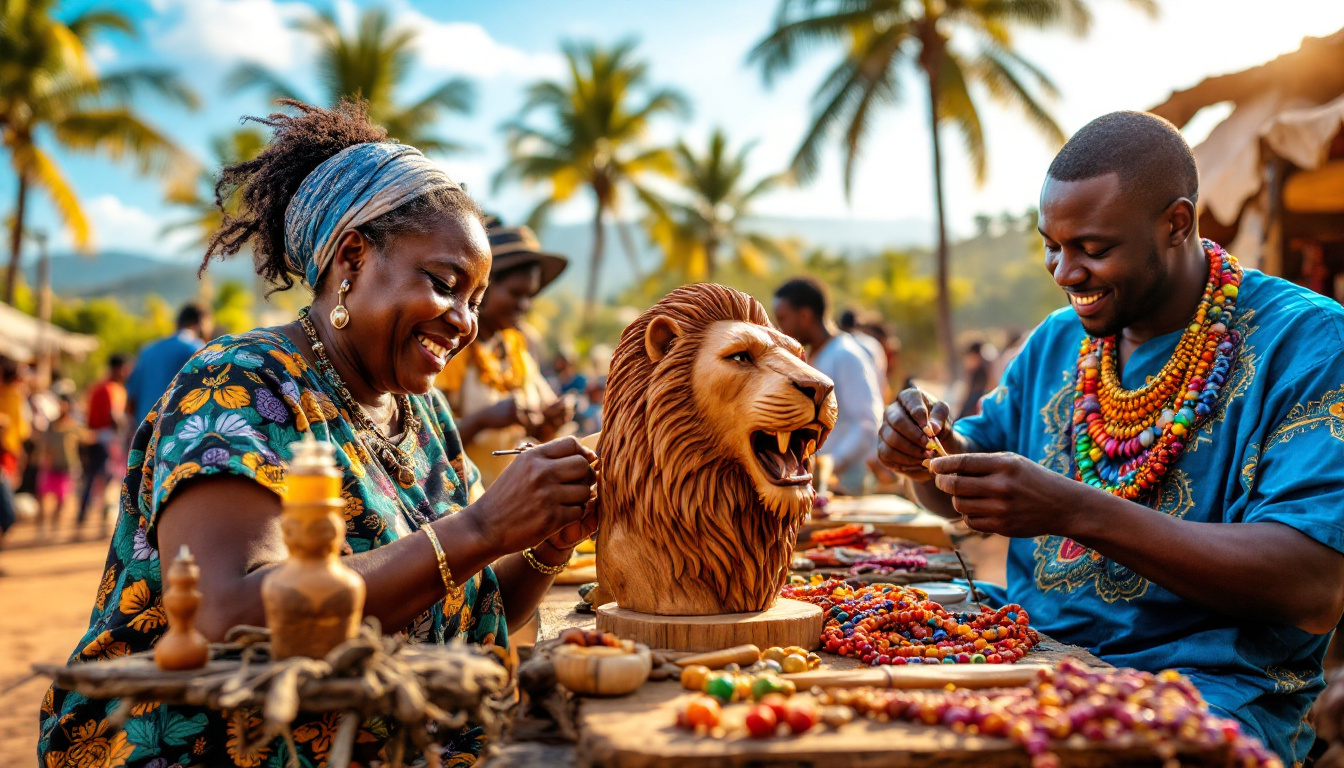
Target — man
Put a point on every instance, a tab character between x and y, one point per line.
105	418
1207	540
800	311
159	362
495	386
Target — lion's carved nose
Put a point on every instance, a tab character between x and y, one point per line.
816	390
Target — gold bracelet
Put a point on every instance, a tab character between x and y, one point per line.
549	570
454	589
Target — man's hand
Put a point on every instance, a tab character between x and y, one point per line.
1007	494
908	424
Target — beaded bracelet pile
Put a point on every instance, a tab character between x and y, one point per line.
886	624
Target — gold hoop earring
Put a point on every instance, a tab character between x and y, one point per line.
340	316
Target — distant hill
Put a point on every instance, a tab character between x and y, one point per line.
130	277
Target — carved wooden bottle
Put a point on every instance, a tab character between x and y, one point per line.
313	601
181	646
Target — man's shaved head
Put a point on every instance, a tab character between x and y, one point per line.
1146	152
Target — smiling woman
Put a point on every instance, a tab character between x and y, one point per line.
397	259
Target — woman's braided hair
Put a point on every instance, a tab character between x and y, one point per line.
265	185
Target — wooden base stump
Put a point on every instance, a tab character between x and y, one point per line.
787	622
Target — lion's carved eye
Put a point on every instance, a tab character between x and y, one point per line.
741	357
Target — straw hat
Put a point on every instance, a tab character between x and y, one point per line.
516	246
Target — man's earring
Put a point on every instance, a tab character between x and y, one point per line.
340	316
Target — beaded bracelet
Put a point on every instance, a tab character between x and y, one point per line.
549	570
454	589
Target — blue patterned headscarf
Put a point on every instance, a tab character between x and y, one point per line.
352	187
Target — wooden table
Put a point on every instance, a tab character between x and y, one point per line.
889	515
637	731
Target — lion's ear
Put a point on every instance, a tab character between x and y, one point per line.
660	334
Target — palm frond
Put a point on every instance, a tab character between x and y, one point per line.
994	69
89	23
956	106
45	174
118	133
780	49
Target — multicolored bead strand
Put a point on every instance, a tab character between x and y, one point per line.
1125	441
1119	708
886	624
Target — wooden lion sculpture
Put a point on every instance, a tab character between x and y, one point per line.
710	419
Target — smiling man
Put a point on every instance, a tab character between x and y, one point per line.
1168	451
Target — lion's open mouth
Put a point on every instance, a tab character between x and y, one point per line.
783	455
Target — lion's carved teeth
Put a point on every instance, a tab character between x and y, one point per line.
783	438
811	447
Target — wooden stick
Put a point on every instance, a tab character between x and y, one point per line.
960	675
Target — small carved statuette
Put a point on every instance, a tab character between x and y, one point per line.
313	601
181	646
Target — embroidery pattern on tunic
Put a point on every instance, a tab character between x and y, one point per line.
1065	564
1327	412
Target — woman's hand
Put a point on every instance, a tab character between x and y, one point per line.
544	490
907	426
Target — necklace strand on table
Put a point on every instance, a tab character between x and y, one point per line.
397	462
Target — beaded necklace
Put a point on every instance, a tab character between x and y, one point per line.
1125	441
493	372
887	624
397	462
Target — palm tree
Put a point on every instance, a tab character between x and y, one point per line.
717	202
951	45
50	90
371	63
600	116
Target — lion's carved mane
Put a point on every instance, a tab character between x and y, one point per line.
683	530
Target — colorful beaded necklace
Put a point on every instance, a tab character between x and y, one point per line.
1125	441
883	624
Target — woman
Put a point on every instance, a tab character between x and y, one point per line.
495	387
397	259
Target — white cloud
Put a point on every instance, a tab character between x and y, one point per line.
231	31
118	226
467	49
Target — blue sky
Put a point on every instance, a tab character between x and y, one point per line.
699	46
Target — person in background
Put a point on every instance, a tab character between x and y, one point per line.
14	429
57	459
568	378
976	375
800	311
105	418
159	362
495	387
590	418
849	322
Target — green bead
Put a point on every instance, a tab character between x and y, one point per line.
978	658
765	685
720	687
1180	419
1230	291
1086	463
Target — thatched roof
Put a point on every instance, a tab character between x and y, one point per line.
1291	107
22	336
1313	73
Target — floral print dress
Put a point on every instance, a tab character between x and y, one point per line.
234	409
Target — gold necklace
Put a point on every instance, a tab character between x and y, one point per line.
396	461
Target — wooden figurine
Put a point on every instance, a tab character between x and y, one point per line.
710	424
313	601
181	646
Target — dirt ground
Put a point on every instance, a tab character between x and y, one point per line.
46	594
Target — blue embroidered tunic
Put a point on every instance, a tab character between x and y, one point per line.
1273	452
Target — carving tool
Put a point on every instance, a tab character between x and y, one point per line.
524	448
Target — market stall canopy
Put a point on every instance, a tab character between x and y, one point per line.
22	336
1290	108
